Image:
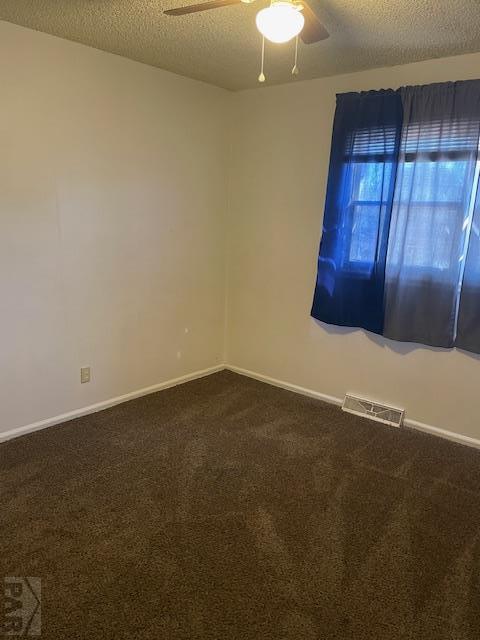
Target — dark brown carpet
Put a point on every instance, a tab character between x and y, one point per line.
228	509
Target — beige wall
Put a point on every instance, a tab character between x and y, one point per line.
112	203
281	150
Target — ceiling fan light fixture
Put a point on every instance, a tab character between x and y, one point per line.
280	22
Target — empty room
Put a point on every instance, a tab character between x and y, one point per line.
240	320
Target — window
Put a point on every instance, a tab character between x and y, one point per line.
433	180
366	212
400	245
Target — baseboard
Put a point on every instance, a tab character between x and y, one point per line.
442	433
99	406
409	423
105	404
285	385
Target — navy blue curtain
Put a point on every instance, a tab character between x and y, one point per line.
400	249
363	162
431	217
468	330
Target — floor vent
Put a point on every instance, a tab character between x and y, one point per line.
373	410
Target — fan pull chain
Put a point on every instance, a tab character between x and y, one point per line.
261	77
295	68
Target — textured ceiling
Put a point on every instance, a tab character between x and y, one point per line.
223	46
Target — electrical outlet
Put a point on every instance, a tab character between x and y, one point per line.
84	375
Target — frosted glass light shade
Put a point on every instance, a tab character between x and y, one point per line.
280	22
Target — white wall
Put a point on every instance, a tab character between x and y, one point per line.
113	200
112	207
278	175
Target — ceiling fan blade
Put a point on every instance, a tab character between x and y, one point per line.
313	31
204	6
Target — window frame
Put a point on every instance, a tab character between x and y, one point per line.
358	268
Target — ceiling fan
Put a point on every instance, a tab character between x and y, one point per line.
280	22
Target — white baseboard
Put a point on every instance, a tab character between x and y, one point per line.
442	433
105	404
409	423
99	406
285	385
